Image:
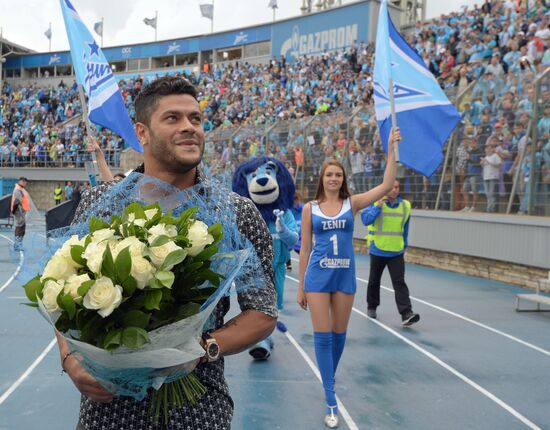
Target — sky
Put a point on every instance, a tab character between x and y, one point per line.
25	21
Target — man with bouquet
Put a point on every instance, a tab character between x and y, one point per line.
169	126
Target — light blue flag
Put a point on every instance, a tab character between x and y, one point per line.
105	104
424	115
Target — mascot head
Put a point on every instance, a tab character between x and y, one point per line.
267	182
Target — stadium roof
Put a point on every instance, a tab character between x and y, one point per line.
7	46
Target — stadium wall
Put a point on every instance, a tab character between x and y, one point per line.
512	249
42	181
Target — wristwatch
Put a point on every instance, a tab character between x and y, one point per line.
211	348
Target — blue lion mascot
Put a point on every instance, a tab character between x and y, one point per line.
267	182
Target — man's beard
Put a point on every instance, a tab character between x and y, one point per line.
162	152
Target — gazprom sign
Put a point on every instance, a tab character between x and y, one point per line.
336	29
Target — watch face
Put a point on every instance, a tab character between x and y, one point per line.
213	351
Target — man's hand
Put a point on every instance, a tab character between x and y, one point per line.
85	383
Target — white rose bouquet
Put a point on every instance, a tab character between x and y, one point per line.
130	285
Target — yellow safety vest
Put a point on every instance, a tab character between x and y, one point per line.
58	193
387	231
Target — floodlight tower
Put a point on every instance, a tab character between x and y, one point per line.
415	10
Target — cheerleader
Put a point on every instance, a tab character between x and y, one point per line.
327	265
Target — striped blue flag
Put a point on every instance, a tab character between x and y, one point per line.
424	114
105	104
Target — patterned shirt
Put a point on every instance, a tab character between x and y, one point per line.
215	408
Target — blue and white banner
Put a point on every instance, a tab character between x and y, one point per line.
333	30
93	72
424	115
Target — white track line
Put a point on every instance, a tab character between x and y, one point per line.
341	409
7	238
462	317
21	259
27	372
455	372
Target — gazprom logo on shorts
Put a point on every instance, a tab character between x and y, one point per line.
334	263
319	41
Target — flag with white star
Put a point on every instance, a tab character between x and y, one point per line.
93	72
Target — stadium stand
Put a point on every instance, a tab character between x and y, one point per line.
319	107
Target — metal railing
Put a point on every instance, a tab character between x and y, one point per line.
43	158
450	149
459	185
539	175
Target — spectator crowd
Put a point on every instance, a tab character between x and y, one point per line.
315	108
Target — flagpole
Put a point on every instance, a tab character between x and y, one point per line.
156	23
212	20
50	39
89	131
393	119
102	31
273	14
85	110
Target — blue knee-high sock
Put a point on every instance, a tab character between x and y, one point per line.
323	353
338	342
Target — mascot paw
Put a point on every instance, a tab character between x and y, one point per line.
279	219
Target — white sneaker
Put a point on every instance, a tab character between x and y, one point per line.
331	420
471	209
464	209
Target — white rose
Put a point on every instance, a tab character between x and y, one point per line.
49	294
137	247
65	250
103	234
150	213
139	222
159	253
162	230
94	255
59	268
73	284
142	271
199	237
103	296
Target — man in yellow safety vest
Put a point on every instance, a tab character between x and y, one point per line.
388	227
57	194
